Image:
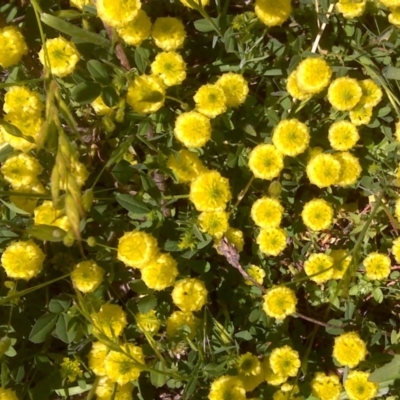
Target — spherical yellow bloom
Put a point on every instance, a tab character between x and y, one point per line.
350	168
293	88
349	349
136	31
122	367
391	3
340	263
248	364
265	161
270	376
280	302
168	33
394	16
177	321
351	9
284	361
317	214
79	3
105	389
146	94
186	165
117	13
291	137
210	192
70	369
203	3
109	321
189	294
319	267
23	101
360	115
227	387
273	13
371	93
101	108
358	387
136	249
267	212
192	129
257	273
87	276
377	266
22	260
47	214
343	135
96	358
160	272
323	170
27	204
210	100
235	237
148	322
313	75
326	387
215	223
396	249
344	93
170	67
235	88
7	394
63	56
13	46
272	241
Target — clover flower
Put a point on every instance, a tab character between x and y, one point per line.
235	237
280	302
317	214
215	223
148	322
358	387
160	272
284	361
7	394
273	13
360	115
344	93
394	16
101	108
272	241
87	276
265	161
23	101
293	88
272	378
170	67
377	266
323	170
257	273
186	165
371	93
340	263
350	168
13	46
235	88
291	137
47	214
79	3
227	387
267	212
326	387
117	13
192	129
109	321
168	33
96	358
210	100
189	294
349	349
343	135
351	9
105	389
248	364
178	321
137	30
319	267
313	75
70	369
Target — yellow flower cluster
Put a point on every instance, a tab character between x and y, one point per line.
280	302
109	321
377	266
7	394
160	272
273	13
291	137
317	214
148	322
210	100
265	161
186	165
70	369
137	30
340	263
105	390
284	362
87	276
272	241
117	13
178	321
227	387
192	129
13	46
351	9
359	387
235	238
343	135
168	33
349	349
344	93
189	294
319	267
170	67
250	371
326	387
47	214
267	212
215	223
257	273
235	88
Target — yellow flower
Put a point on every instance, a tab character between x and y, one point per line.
7	394
105	389
371	93
101	108
123	367
47	214
215	223
192	129
344	93
202	2
210	192
109	321
273	13
257	273
148	322
235	88
235	237
13	46
160	272
391	3
291	137
248	364
117	13
343	135
360	115
358	387
350	168
22	260
267	212
313	75
394	16
137	30
350	8
377	266
293	88
227	387
87	276
178	321
189	294
319	267
270	376
79	3
284	361
210	100
340	263
349	349
62	56
186	165
96	358
272	241
146	94
168	33
27	204
70	369
23	101
317	214
280	302
265	161
326	387
170	67
136	249
79	172
396	249
323	170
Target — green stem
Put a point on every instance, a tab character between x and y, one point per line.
199	7
175	197
20	83
244	191
24	194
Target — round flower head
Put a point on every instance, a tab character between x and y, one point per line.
377	266
235	88
280	302
148	322
96	358
178	322
267	212
391	3
326	387
319	267
123	367
63	56
13	46
317	215
349	349
291	137
234	237
273	13
136	249
344	93
343	135
360	115
396	249
323	170
21	100
79	3
284	361
27	204
186	165
105	390
47	214
371	93
313	75
248	364
87	276
70	369
203	3
358	387
160	273
272	241
210	100
189	294
215	223
7	394
136	31
350	168
257	273
101	108
109	321
170	67
227	387
270	376
210	192
22	260
192	129
340	263
168	33
117	13
293	88
146	94
394	17
265	161
351	9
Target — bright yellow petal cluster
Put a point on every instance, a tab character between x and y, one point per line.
215	223
344	93
360	115
79	3
117	13
27	204
326	387
227	387
371	93
186	165
343	135
272	241
265	161
202	2
109	321
47	214
280	302
293	88
101	108
210	100
313	75
87	276
192	129
170	67
396	249
284	361
160	272
189	294
105	390
270	376
273	13
349	349
136	31
235	88
350	169
350	8
248	364
291	137
340	263
13	46
70	369
7	394
96	358
319	267
168	33
235	237
267	212
23	101
178	321
148	322
377	266
394	16
257	273
391	3
323	170
317	214
358	387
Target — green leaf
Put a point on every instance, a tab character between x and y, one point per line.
59	304
47	232
133	204
118	153
5	151
142	59
110	96
14	208
86	92
392	73
158	379
98	71
14	131
42	328
203	25
388	372
146	304
245	335
65	331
